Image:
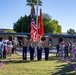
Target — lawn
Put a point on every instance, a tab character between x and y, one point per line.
53	66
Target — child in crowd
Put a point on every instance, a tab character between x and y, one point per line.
61	49
10	46
73	51
70	48
57	47
66	50
5	50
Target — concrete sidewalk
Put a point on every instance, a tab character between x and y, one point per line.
19	52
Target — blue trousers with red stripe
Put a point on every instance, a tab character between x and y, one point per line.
25	53
31	53
39	53
46	53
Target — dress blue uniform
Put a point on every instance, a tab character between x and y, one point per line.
25	44
32	44
46	48
39	50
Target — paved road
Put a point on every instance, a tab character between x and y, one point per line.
43	54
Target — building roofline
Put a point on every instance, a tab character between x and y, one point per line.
46	34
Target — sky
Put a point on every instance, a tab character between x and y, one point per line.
64	11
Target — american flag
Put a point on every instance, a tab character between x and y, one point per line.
33	29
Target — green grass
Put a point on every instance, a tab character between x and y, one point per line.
51	67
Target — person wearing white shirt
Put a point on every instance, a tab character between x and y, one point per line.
10	46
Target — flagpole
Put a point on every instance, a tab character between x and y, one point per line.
37	16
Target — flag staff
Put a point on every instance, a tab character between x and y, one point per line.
37	16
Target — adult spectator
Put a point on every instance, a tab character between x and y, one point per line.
1	48
57	47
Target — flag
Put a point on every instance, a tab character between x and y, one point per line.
33	29
40	26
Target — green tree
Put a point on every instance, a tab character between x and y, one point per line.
71	31
23	24
47	22
46	18
51	26
59	29
54	25
33	2
56	28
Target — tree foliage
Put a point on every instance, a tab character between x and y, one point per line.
33	2
50	26
71	31
23	24
59	29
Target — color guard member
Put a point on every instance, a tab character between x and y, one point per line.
39	50
32	44
25	45
46	48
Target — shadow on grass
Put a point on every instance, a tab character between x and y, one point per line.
53	58
18	61
15	61
64	70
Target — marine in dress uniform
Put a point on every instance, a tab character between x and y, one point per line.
39	50
25	45
46	48
32	44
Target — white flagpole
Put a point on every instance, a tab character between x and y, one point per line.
37	16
